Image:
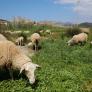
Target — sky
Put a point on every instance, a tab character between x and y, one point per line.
73	11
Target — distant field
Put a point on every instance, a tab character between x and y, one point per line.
63	68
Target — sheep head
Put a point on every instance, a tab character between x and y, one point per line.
70	42
29	69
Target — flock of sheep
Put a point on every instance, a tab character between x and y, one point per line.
11	56
34	39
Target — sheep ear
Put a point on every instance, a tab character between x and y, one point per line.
37	66
22	69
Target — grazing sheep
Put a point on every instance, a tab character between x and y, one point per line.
11	57
2	38
35	38
48	31
20	41
80	38
41	31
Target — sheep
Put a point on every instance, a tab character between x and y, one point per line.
20	41
48	31
35	38
80	38
11	58
2	38
41	31
13	33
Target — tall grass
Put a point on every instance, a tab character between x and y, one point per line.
72	31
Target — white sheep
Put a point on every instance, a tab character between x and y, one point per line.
11	57
20	41
35	38
80	38
41	31
48	31
2	38
30	44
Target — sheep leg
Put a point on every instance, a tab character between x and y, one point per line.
9	67
82	43
21	43
36	45
18	43
35	48
11	73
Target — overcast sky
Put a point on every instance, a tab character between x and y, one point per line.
54	10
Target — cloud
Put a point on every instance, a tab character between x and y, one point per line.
65	1
81	7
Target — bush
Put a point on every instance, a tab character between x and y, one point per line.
72	31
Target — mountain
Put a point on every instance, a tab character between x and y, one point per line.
85	24
2	20
56	23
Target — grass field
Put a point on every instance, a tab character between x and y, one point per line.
63	68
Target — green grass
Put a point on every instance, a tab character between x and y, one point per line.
63	69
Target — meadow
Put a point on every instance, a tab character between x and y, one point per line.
63	68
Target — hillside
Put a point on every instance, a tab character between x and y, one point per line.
85	24
63	68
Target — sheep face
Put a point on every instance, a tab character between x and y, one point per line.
70	42
30	71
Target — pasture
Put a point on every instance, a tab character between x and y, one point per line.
63	68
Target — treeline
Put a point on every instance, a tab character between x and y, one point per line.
19	23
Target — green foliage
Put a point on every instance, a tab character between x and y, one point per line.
63	68
90	35
72	31
3	27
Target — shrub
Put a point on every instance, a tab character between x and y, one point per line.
72	31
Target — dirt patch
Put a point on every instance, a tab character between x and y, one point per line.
87	86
